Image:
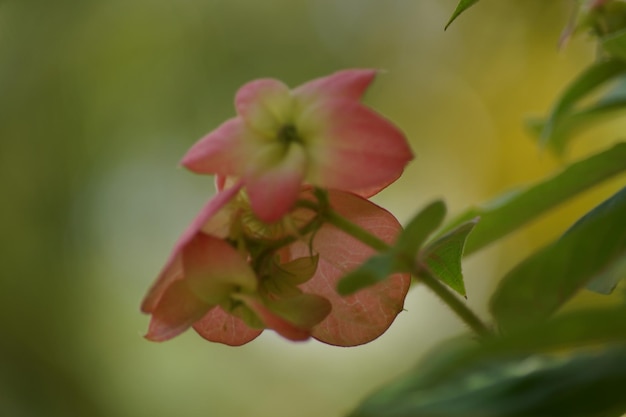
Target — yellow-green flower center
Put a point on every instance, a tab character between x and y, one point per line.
250	226
288	134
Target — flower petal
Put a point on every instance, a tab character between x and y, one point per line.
222	151
173	267
274	190
219	326
348	84
265	105
214	269
175	312
365	315
356	149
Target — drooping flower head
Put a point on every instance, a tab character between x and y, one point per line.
259	255
318	133
226	280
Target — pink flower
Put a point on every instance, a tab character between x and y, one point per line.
317	133
206	278
221	280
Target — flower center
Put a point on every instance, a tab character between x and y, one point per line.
288	134
252	227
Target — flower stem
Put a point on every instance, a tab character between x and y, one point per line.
422	273
355	231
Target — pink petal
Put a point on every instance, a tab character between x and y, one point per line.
173	267
214	269
220	182
273	191
176	311
222	151
265	105
357	150
273	321
348	84
219	326
365	315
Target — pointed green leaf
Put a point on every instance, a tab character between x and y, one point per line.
537	287
460	8
443	256
513	210
420	227
594	76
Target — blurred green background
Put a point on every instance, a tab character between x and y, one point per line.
100	99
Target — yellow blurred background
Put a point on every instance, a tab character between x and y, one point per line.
100	99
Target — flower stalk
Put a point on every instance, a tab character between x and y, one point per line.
421	272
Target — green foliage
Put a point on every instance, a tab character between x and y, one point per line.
443	256
557	129
575	384
460	8
538	364
615	44
605	282
537	287
513	210
577	109
420	227
606	106
399	258
569	366
603	17
374	270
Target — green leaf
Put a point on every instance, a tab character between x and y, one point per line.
606	17
374	270
443	256
578	120
560	385
513	210
460	8
420	227
537	287
615	44
401	256
605	282
544	370
578	329
594	76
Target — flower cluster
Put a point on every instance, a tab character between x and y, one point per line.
260	254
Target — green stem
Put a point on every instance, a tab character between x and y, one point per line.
458	306
355	231
424	275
